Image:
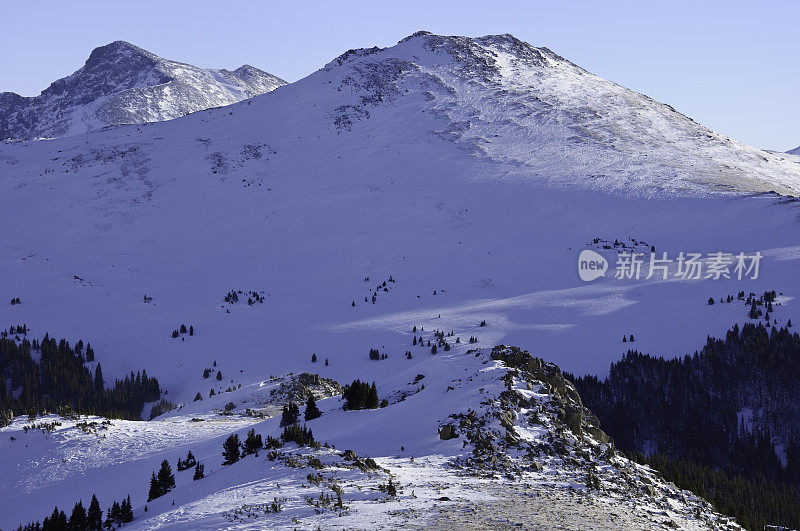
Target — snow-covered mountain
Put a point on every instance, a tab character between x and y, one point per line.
445	183
124	84
547	119
795	151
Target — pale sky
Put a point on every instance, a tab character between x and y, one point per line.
732	66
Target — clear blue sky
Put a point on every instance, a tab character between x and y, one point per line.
733	65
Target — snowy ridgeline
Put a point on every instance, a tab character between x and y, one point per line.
123	84
490	439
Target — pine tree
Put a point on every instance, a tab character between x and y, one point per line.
230	450
197	397
191	330
252	443
290	415
116	513
160	484
154	491
312	411
94	516
98	380
313	358
219	375
127	510
78	518
372	400
199	472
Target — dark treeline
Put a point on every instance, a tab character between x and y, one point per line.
60	378
83	519
712	421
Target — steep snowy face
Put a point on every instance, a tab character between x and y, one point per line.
546	119
795	151
123	84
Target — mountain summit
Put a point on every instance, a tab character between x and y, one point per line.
123	84
547	119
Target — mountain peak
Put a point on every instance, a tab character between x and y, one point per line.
117	48
121	83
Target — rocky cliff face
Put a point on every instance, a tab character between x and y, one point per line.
124	84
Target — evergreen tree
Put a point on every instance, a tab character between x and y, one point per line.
77	520
199	472
98	380
126	513
252	443
160	484
312	411
155	490
359	395
115	514
297	434
290	415
230	450
94	516
372	399
166	479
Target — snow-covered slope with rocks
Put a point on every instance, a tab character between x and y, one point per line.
490	439
441	183
124	84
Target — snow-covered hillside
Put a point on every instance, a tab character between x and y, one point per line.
465	174
490	439
795	151
123	84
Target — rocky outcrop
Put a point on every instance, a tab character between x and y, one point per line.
534	427
567	402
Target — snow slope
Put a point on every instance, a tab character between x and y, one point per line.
795	151
541	461
123	84
470	171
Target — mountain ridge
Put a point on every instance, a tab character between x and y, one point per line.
546	109
121	83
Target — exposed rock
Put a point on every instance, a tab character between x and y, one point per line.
447	432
